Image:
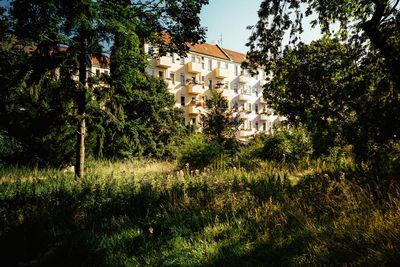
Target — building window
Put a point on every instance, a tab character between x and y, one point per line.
193	59
194	120
218	64
256	126
226	65
172	57
202	66
226	85
209	83
202	78
202	98
161	74
182	60
256	108
257	90
235	106
209	64
151	72
182	79
235	87
236	70
151	51
264	126
172	77
97	73
183	100
106	72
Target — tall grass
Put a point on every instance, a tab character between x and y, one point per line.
139	213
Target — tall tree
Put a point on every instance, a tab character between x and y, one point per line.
64	36
218	122
375	20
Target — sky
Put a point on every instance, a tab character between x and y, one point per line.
231	17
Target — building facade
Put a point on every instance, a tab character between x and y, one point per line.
209	67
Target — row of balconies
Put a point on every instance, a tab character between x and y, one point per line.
193	67
246	97
243	116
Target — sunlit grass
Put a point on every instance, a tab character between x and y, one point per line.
144	212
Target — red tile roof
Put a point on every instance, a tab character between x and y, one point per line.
208	49
95	61
236	56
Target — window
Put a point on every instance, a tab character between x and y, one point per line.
256	126
161	74
193	59
182	79
151	72
226	65
209	64
256	108
97	73
202	78
194	120
194	80
183	100
257	92
151	51
172	77
172	57
264	126
218	64
182	60
209	83
236	70
202	98
235	87
202	66
226	85
106	72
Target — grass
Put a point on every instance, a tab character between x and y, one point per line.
143	212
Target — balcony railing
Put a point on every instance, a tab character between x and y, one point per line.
244	97
194	67
243	79
194	89
193	110
262	100
164	62
264	117
221	73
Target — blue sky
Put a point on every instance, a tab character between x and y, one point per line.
231	17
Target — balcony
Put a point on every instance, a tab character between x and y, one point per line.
194	67
164	62
244	132
243	115
193	110
194	89
243	79
264	117
221	73
262	100
244	97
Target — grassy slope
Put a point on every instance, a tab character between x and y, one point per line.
144	213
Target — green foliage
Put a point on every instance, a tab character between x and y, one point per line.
218	122
221	217
199	152
291	144
9	147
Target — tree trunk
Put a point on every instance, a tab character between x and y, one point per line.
81	104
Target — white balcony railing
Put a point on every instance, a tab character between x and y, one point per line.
194	67
221	73
164	62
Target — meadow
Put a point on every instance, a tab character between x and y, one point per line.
326	211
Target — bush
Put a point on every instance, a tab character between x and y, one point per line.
286	145
9	146
199	152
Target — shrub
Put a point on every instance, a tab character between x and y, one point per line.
198	151
287	145
9	146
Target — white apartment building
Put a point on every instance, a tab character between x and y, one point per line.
209	67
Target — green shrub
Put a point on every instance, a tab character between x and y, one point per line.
287	145
198	152
9	146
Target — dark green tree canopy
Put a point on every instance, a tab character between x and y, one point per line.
374	20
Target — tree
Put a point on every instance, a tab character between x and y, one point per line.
218	122
80	26
373	20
